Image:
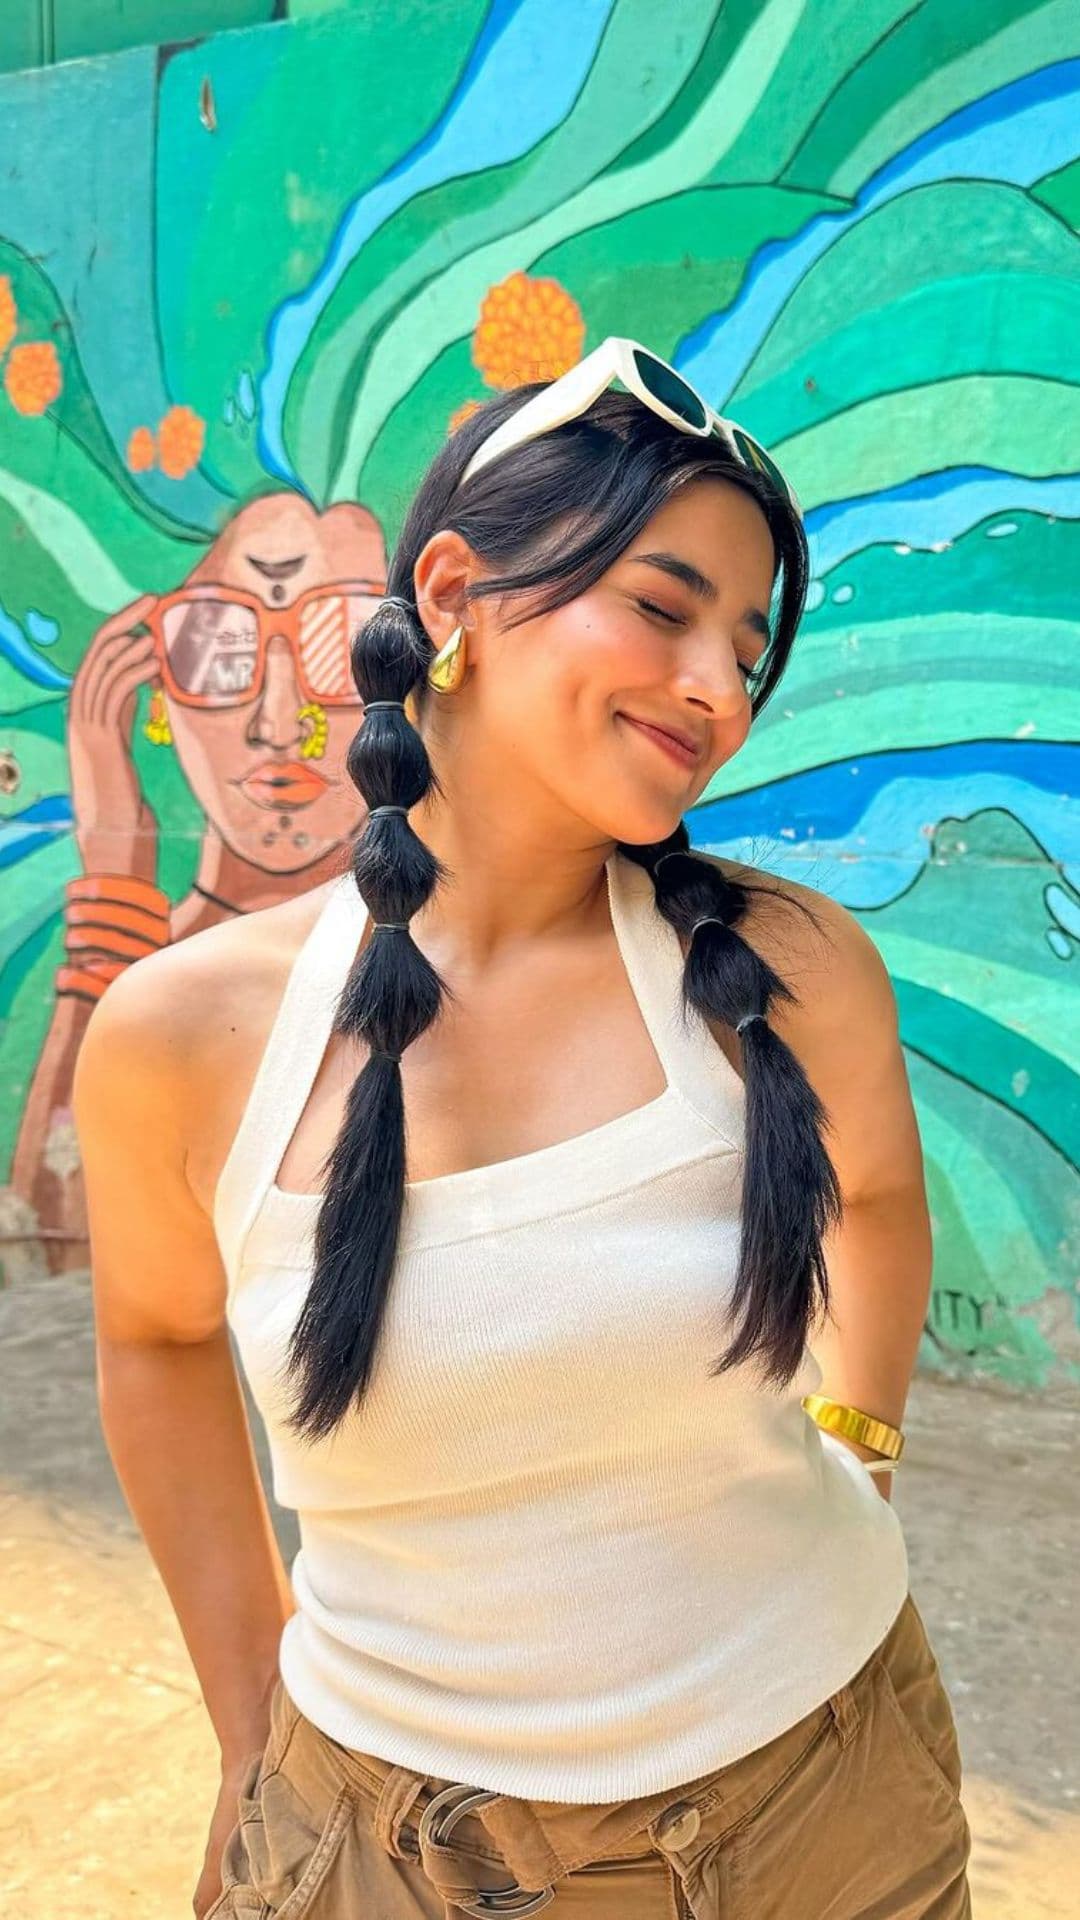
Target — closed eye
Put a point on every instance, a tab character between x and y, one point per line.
676	620
650	606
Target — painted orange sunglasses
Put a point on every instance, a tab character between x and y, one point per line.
211	641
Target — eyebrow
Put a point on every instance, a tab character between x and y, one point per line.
701	585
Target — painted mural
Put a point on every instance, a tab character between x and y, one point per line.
304	252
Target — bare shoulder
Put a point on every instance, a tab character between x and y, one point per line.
162	1075
172	1047
191	996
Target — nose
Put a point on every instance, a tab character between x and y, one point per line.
708	677
278	705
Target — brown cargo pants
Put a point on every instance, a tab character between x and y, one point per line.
854	1812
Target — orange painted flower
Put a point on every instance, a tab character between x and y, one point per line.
461	414
181	434
529	329
141	451
8	313
32	376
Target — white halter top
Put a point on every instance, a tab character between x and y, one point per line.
549	1555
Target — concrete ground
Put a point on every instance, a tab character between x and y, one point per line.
109	1768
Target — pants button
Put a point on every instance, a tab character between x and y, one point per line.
677	1827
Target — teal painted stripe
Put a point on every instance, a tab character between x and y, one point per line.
988	1056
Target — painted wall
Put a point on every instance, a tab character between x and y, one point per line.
40	32
293	257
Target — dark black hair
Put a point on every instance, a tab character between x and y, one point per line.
551	517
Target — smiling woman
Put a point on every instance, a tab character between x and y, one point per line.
582	1588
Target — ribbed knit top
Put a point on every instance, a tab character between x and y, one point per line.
549	1555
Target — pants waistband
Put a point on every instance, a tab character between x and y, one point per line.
474	1846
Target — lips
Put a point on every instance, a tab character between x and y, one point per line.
680	746
286	783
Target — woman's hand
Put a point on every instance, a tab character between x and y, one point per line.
225	1817
115	829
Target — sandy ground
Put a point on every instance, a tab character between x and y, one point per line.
109	1767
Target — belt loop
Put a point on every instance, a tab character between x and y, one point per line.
846	1713
400	1791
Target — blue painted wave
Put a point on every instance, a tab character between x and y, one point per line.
930	508
860	829
37	825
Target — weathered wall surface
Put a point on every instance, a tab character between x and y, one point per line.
293	256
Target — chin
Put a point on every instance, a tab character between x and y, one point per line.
645	826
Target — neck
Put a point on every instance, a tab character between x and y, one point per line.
518	872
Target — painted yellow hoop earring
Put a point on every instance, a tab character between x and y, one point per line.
156	726
447	671
313	746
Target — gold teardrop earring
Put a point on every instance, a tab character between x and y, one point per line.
447	670
156	726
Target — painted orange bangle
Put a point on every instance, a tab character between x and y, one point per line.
125	889
85	984
111	920
114	941
108	916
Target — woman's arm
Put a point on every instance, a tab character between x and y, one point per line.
845	1032
171	1406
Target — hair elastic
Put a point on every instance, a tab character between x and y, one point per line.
374	812
371	705
394	926
707	920
746	1019
377	1053
676	853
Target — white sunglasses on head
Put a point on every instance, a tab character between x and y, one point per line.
653	382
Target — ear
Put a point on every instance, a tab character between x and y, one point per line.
445	569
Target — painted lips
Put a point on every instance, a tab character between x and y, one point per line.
290	784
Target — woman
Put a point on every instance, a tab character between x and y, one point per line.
589	1611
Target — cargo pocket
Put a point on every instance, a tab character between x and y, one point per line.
867	1823
293	1826
237	1895
916	1696
293	1811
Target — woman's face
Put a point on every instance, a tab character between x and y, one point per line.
588	705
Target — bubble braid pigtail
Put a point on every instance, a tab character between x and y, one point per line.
392	994
791	1194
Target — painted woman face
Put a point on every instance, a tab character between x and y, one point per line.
263	753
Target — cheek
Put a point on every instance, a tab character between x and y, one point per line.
556	686
209	734
599	654
342	724
617	647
